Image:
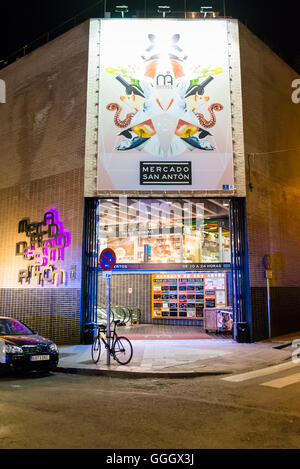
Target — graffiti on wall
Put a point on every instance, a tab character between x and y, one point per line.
44	245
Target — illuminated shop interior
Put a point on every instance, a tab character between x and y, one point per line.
173	231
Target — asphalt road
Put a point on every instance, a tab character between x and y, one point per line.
72	411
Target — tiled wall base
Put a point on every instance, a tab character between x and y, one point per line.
259	313
53	313
285	311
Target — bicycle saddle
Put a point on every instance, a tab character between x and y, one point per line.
117	321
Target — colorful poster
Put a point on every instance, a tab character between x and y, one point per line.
164	106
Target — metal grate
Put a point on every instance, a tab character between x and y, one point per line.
89	266
259	313
240	262
40	348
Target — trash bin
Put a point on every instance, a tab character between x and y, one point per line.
89	331
242	333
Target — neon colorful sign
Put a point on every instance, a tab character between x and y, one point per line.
46	244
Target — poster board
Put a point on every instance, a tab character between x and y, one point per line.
185	296
164	106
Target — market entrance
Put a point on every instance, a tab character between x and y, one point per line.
180	262
197	301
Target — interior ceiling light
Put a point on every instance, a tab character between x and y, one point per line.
164	9
121	9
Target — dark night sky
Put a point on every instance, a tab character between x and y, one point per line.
275	23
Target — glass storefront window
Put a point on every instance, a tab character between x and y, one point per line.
164	231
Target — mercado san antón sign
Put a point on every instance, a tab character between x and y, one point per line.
43	246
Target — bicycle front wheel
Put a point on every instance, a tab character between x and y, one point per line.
122	350
96	350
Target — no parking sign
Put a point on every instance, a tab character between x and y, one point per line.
107	259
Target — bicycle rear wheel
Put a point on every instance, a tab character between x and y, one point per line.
122	350
96	350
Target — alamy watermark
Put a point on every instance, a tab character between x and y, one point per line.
296	93
2	352
2	92
296	352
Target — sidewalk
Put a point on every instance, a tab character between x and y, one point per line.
179	358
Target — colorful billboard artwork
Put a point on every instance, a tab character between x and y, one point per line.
164	106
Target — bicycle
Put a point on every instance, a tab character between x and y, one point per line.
121	348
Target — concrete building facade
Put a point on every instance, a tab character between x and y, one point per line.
49	194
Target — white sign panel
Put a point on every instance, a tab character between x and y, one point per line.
215	283
220	297
164	106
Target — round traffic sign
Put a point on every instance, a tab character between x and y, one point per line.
107	259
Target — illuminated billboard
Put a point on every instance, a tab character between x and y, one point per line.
164	106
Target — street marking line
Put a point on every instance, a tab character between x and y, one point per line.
282	382
258	373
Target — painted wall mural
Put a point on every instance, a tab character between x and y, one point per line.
164	106
45	244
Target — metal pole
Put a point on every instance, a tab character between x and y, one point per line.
181	249
224	8
220	244
269	310
108	319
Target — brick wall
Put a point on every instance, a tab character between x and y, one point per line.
54	313
42	124
47	305
42	141
45	147
271	124
32	200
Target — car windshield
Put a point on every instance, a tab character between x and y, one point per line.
13	327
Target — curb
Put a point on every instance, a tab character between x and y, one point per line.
140	374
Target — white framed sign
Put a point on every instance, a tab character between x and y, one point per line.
164	106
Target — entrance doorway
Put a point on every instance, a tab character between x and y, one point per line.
190	299
161	245
177	261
